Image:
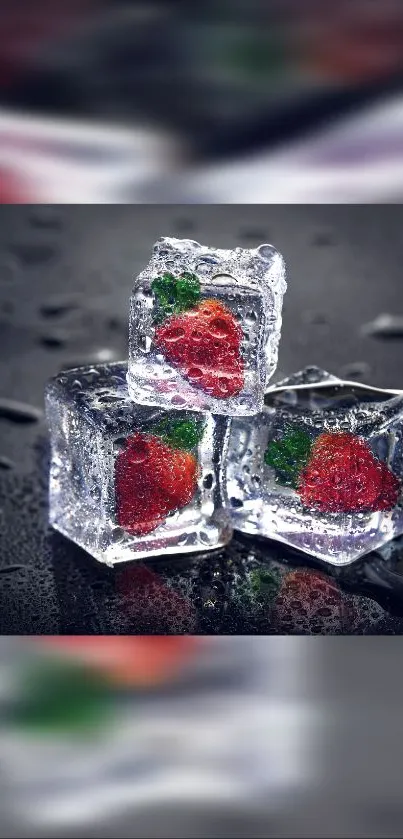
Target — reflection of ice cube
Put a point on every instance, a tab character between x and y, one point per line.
91	419
250	284
236	732
265	502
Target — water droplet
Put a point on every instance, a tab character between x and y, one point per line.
8	270
59	305
223	279
34	253
53	340
145	344
266	252
208	481
6	463
384	326
19	412
358	370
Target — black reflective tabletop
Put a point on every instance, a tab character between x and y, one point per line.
65	280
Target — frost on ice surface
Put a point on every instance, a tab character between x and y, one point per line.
129	481
205	325
321	467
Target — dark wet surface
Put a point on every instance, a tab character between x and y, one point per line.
65	279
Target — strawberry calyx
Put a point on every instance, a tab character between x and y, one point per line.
288	456
175	294
184	434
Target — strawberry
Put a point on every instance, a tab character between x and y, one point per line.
343	476
154	476
201	337
139	661
337	473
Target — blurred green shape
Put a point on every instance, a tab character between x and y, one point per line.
61	697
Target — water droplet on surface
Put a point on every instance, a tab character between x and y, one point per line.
384	326
31	254
266	252
19	412
6	463
56	307
208	481
53	340
223	280
358	370
145	344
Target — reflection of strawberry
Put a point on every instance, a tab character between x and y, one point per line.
337	473
151	604
343	476
309	602
153	477
202	338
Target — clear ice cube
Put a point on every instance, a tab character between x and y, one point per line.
205	326
129	481
320	468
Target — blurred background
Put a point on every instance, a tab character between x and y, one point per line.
234	724
242	100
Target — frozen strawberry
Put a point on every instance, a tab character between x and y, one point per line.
311	603
155	475
202	338
344	476
337	473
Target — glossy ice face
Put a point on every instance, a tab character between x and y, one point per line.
129	481
205	326
321	468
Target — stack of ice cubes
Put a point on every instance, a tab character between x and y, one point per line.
169	452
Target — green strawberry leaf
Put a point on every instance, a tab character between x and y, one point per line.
175	295
181	433
289	456
187	290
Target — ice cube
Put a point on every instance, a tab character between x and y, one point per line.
205	326
130	481
320	468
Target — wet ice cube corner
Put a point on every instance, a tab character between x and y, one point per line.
205	326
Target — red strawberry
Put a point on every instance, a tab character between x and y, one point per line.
205	341
311	603
141	661
151	479
343	476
